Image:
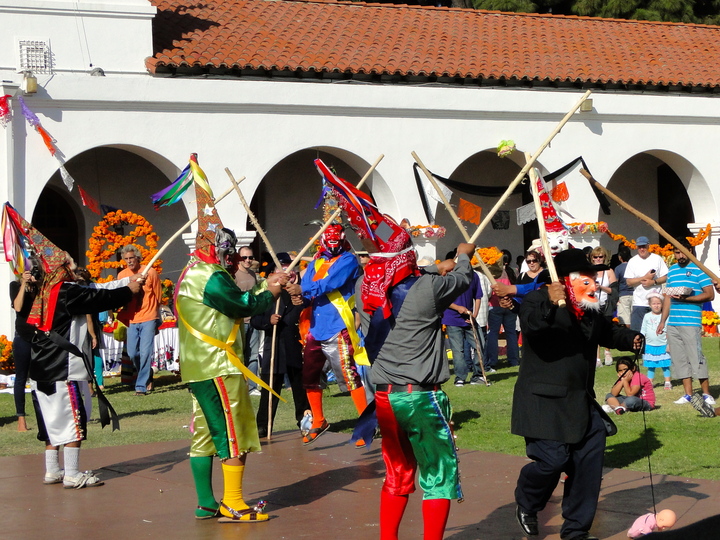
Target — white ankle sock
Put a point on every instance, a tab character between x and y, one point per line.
71	459
52	461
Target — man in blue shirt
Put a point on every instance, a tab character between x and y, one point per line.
683	314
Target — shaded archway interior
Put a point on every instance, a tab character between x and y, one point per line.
286	198
652	187
120	180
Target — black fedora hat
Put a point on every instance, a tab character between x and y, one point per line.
574	260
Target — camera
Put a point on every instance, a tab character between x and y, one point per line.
36	273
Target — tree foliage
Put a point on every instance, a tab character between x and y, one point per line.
687	11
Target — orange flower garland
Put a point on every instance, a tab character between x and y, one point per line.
665	252
105	243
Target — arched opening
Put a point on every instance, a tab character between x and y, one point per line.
656	188
58	218
115	179
284	202
488	170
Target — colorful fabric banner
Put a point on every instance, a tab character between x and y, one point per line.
468	211
174	192
88	201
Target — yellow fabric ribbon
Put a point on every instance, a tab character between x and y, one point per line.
227	347
344	308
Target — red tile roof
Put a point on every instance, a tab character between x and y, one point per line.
381	39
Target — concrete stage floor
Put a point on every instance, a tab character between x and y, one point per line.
326	490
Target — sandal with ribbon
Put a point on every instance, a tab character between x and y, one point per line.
249	515
210	512
314	433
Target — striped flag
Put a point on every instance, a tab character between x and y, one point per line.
174	192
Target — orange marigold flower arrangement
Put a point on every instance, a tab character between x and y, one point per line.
490	255
108	238
7	362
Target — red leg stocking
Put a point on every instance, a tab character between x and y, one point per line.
392	508
435	516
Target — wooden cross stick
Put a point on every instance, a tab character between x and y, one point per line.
526	168
178	233
252	217
334	215
654	224
541	226
270	249
453	214
485	269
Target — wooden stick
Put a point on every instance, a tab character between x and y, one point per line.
541	225
253	219
527	166
477	348
178	233
452	213
654	224
335	214
272	367
271	251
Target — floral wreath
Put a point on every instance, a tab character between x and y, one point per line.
106	241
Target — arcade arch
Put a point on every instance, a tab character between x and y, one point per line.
117	177
285	199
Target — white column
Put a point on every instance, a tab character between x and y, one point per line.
8	181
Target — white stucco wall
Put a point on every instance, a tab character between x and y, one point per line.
251	126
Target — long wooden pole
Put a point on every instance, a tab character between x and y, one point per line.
526	168
178	233
541	226
654	224
454	215
334	215
271	251
252	217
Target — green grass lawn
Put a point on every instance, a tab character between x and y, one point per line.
682	442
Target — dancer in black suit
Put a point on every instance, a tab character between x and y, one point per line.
554	405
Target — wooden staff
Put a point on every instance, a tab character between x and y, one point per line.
252	217
485	269
178	233
541	225
452	213
334	215
527	166
654	224
271	251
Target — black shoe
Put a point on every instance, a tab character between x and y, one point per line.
528	522
262	433
584	536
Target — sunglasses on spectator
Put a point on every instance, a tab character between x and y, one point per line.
598	257
530	261
247	257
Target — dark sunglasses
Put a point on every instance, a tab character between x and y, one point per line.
598	257
531	260
247	257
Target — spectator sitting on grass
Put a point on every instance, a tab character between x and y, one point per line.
639	393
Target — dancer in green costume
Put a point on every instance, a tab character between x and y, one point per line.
211	309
